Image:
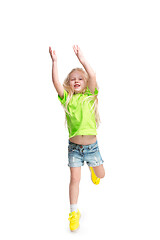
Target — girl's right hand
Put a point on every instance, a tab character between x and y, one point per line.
53	55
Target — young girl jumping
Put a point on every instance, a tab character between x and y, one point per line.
78	95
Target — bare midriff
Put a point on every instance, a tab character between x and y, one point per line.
84	139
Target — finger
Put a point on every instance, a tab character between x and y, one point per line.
74	48
51	55
50	52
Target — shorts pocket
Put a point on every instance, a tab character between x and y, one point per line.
71	148
94	148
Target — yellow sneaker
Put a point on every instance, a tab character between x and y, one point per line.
94	178
74	220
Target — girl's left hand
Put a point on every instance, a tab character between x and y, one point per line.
78	52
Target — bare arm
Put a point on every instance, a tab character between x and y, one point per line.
58	86
92	84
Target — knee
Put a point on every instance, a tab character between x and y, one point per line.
102	175
74	179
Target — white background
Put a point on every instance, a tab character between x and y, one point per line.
121	40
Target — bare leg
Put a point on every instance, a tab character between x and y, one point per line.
74	184
99	171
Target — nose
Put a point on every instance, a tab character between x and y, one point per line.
76	82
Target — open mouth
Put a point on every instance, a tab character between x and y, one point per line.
77	85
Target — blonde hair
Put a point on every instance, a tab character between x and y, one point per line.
94	98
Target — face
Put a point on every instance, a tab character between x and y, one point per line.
77	82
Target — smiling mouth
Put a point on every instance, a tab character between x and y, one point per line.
77	85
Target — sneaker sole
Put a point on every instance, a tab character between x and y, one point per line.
75	229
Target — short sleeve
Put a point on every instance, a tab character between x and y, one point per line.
96	91
90	93
64	99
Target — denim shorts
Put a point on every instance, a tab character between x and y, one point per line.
77	154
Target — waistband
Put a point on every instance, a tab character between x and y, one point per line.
82	146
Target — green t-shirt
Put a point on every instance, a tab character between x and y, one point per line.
81	118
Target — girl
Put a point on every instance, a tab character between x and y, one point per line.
78	95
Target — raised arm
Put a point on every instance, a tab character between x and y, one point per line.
58	86
92	84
